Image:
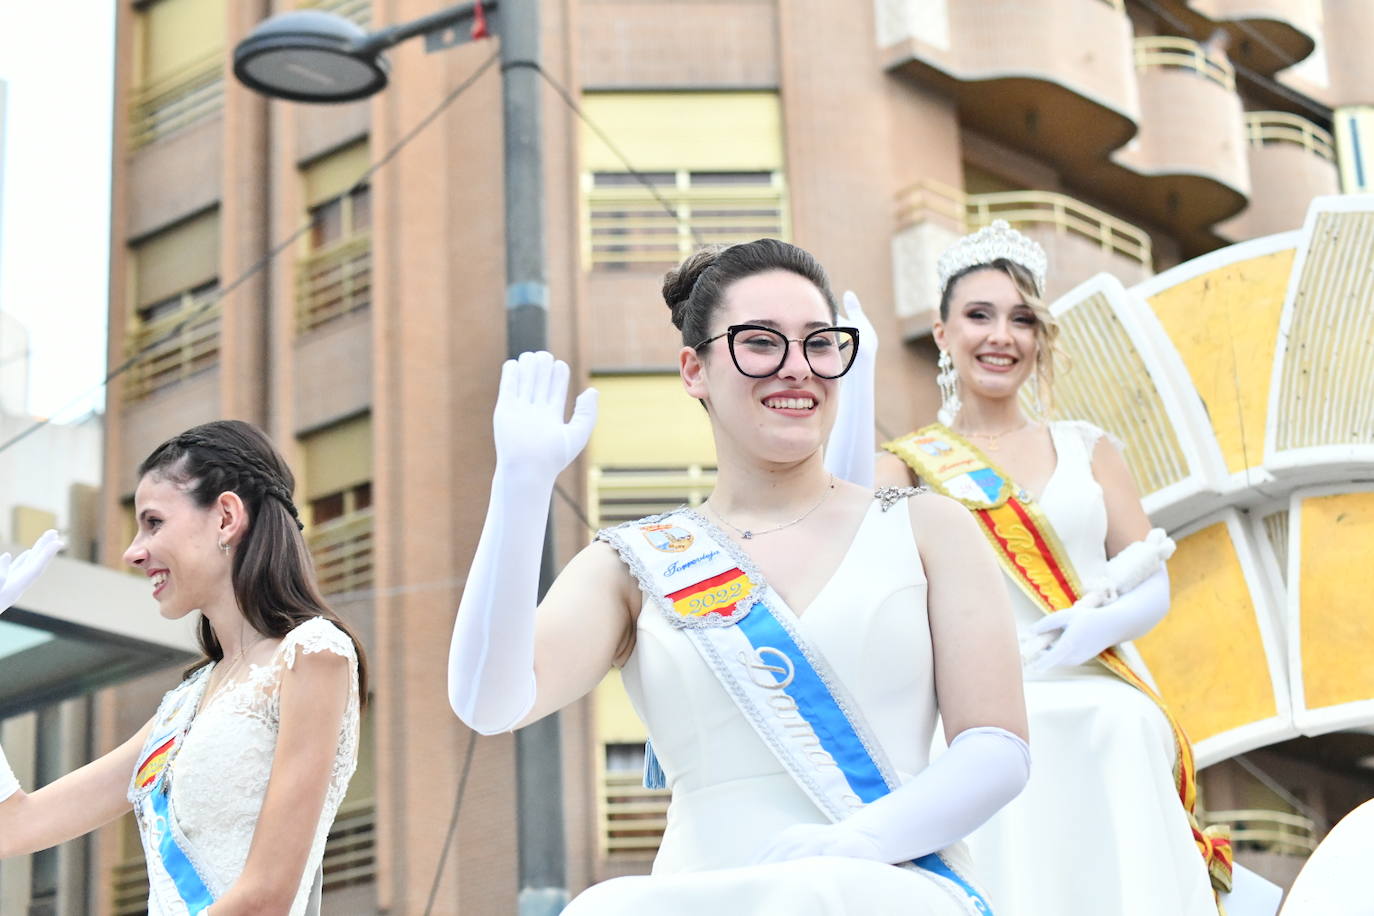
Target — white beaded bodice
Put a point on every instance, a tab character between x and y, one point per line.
219	776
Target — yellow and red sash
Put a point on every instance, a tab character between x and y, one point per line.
1032	556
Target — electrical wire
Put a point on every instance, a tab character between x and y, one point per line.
261	264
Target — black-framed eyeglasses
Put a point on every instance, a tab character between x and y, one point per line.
759	351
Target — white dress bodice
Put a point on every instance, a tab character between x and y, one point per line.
730	795
219	776
1102	760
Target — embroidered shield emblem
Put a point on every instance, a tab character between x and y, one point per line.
982	487
668	537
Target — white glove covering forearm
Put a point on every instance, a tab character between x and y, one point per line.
8	783
850	449
491	683
18	574
1084	630
984	768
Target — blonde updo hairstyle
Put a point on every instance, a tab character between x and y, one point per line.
1046	328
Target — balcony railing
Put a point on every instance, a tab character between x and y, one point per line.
357	11
173	354
1263	128
342	549
129	887
350	852
625	494
1023	208
635	817
1183	54
176	101
629	228
334	282
1268	831
1066	215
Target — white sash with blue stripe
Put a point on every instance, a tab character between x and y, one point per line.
708	588
176	884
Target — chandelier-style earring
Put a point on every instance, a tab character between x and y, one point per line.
948	380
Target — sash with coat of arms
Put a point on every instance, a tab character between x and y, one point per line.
1032	556
707	588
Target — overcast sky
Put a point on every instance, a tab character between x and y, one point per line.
56	58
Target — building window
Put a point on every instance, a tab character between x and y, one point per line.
631	227
335	277
129	878
337	480
178	73
358	12
174	324
709	171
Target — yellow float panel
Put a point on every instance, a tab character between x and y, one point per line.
1224	325
1207	656
1105	380
1336	628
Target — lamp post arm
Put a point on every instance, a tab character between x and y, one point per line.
457	15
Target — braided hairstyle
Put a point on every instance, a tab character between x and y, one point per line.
273	575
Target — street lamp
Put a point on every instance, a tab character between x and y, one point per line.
315	56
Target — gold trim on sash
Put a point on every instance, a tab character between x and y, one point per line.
1031	554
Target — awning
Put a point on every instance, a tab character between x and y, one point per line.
81	627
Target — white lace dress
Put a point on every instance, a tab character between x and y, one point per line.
219	775
1099	828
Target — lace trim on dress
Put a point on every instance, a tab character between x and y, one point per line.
1088	434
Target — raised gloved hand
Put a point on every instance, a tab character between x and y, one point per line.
1085	630
491	682
18	574
850	449
983	769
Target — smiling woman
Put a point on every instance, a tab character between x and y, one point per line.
785	645
274	702
1114	776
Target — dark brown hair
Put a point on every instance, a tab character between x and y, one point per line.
273	575
695	288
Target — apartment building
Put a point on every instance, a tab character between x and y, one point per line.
254	275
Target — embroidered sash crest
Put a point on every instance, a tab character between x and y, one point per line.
173	875
1032	556
781	684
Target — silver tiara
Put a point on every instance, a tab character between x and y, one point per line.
988	244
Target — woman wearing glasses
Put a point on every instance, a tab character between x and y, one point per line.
784	644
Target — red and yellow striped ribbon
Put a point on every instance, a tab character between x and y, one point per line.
1031	554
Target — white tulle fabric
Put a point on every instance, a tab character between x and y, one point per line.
1099	828
730	794
219	777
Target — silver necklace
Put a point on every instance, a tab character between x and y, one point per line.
994	438
749	534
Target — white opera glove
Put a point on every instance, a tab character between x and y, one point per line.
491	683
984	768
18	574
1085	630
849	450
